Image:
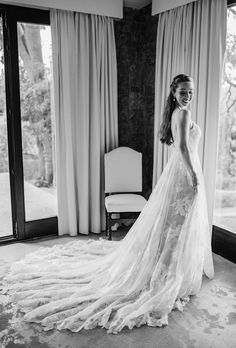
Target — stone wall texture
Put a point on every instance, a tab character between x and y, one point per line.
136	51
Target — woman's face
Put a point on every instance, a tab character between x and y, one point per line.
184	94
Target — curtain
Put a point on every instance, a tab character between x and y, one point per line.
85	97
191	39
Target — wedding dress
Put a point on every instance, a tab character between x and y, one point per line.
156	267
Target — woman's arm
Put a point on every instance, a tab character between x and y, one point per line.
183	124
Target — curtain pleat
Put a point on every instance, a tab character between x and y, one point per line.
191	40
85	97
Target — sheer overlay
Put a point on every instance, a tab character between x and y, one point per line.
132	282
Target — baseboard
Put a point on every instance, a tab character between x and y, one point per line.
224	243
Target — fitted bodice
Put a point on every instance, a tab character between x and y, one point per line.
194	137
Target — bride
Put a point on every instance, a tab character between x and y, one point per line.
154	269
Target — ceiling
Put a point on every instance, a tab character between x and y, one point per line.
136	3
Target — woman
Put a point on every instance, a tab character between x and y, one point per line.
155	268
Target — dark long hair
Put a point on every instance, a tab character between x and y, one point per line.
165	128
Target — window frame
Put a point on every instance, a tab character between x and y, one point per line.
22	229
223	240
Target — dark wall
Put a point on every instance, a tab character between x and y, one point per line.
136	51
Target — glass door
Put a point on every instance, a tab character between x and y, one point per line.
37	126
26	119
225	198
6	226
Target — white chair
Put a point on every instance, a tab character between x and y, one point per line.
123	185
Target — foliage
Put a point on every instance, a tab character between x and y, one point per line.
3	145
225	199
35	81
227	130
36	107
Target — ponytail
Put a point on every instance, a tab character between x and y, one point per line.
166	136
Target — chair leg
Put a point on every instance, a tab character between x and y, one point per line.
106	223
108	227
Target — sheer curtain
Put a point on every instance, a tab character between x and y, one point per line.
191	40
85	97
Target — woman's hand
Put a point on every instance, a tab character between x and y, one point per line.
195	181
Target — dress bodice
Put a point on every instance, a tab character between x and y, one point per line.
194	137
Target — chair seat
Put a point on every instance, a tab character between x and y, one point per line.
124	203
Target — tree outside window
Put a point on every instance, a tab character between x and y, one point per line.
225	200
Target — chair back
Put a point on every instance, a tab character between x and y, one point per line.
123	170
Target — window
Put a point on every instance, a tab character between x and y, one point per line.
27	149
35	71
5	192
225	198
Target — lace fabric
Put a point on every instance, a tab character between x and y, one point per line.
138	280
